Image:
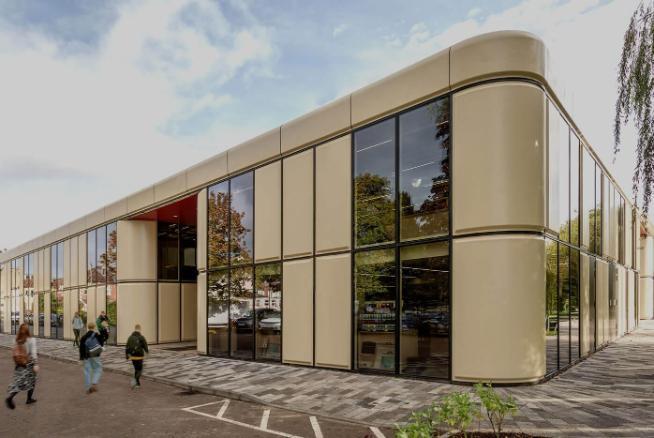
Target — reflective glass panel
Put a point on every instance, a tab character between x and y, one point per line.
242	218
90	257
41	314
564	306
375	310
598	209
424	171
574	189
168	250
218	313
574	305
588	201
112	312
425	310
101	248
551	306
83	310
189	244
268	311
218	225
241	313
374	183
112	252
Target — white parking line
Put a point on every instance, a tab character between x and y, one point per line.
264	419
378	433
222	410
316	427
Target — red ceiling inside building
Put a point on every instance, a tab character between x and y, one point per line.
184	210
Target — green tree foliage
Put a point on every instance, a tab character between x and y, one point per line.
375	210
636	96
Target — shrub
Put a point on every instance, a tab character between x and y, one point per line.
496	406
422	424
458	410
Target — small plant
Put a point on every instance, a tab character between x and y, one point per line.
497	407
422	424
458	410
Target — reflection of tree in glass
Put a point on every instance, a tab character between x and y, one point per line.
112	255
218	294
375	275
375	209
220	214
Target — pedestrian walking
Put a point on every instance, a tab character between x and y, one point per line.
135	351
78	325
26	367
102	323
90	349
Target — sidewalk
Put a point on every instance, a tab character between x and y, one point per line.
611	393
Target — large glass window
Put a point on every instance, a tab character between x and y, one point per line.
564	305
621	228
112	252
599	210
42	297
375	309
28	291
559	174
551	305
241	218
91	261
424	171
168	250
101	252
218	313
574	189
574	305
112	311
588	201
188	240
425	310
57	291
83	309
241	314
374	183
218	225
268	311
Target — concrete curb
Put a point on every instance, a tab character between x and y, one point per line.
221	393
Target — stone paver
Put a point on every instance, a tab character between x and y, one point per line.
609	394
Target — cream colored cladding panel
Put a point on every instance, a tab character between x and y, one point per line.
606	215
91	308
261	148
67	280
140	199
333	311
94	219
137	304
268	212
628	242
327	121
622	300
647	257
298	205
493	277
46	268
169	187
137	249
209	170
38	278
504	53
46	315
115	210
602	302
169	312
333	195
81	259
631	302
189	311
201	301
584	304
201	249
297	317
420	81
646	296
74	262
498	158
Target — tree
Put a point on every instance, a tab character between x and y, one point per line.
636	96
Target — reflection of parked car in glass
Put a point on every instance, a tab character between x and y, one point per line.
244	323
439	324
271	324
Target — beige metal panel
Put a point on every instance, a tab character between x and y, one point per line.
77	226
46	268
201	250
417	82
298	205
67	280
646	296
628	242
38	271
207	171
602	302
137	304
137	249
504	53
116	209
500	164
81	259
514	349
95	218
333	195
631	301
268	212
647	256
46	315
622	300
584	304
189	311
74	261
297	317
333	311
606	214
91	308
169	187
261	148
324	122
168	312
140	199
202	313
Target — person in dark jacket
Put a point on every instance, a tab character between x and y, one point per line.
92	363
135	350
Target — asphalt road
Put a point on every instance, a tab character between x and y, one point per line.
156	410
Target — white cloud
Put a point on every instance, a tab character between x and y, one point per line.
474	12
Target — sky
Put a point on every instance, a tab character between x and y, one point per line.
100	99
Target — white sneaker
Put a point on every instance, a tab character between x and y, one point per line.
133	383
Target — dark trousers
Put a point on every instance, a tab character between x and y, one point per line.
76	341
138	369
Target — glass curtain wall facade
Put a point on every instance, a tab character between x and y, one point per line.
57	291
28	291
101	269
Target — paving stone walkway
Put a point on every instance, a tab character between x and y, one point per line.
610	394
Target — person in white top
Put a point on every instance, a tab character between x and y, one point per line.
25	360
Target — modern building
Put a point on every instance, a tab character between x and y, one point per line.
449	221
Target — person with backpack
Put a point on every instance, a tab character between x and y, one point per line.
135	350
102	323
25	360
78	325
90	349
